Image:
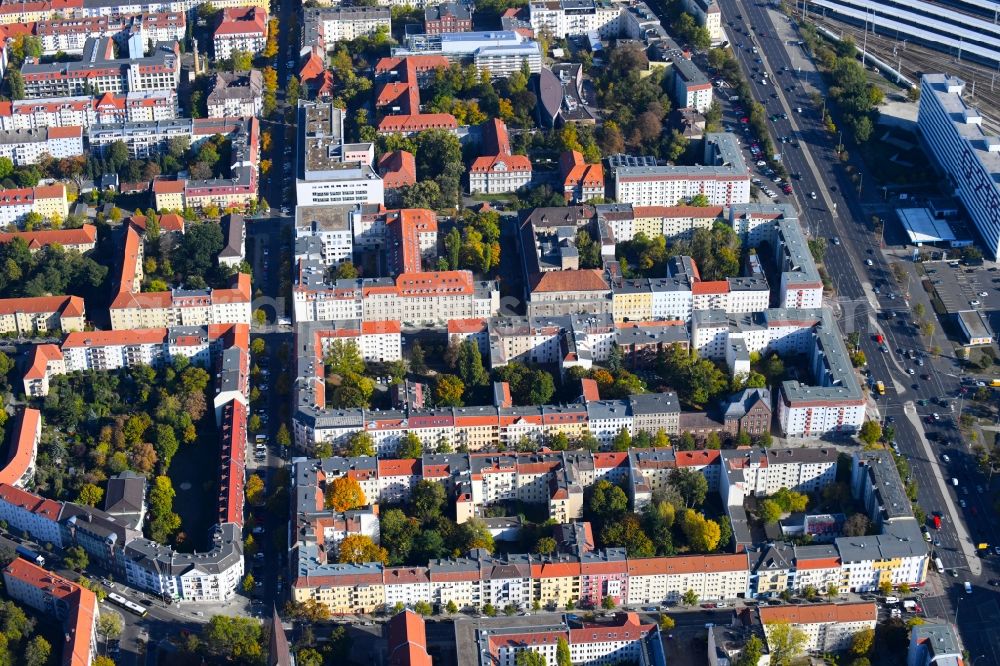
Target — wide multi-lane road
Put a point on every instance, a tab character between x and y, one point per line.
836	213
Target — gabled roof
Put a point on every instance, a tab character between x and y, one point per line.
22	448
407	640
397	168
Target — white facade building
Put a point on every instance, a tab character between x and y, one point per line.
24	147
953	133
724	179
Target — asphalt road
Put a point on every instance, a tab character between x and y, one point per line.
832	215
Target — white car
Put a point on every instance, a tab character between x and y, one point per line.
983	294
812	195
869	262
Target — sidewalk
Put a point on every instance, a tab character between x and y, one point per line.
964	538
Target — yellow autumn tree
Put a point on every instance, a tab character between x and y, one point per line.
345	494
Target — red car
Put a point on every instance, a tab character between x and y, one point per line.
744	120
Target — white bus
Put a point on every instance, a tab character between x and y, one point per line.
119	600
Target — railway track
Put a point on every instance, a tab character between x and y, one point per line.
913	60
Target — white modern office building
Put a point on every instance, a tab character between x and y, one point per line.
953	133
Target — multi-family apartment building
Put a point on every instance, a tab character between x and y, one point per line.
578	573
709	16
31	316
672	222
325	233
827	627
70	35
239	94
498	170
691	87
18	469
50	202
27	146
85	111
430	298
111	541
100	71
326	26
625	638
238	191
33	12
682	292
581	182
329	170
935	642
777	225
563	18
133	309
75	607
723	177
830	400
241	29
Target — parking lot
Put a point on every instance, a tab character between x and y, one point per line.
965	288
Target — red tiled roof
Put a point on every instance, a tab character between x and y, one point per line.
168	185
39	506
590	390
417	122
820	613
512	164
713	287
400	467
242	21
407	640
397	168
587	279
575	171
67	132
82	605
136	336
696	458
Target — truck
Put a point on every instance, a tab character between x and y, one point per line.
30	555
880	387
936	519
910	606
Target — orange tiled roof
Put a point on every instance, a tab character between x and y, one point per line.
820	613
712	287
23	445
67	306
40	357
85	235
